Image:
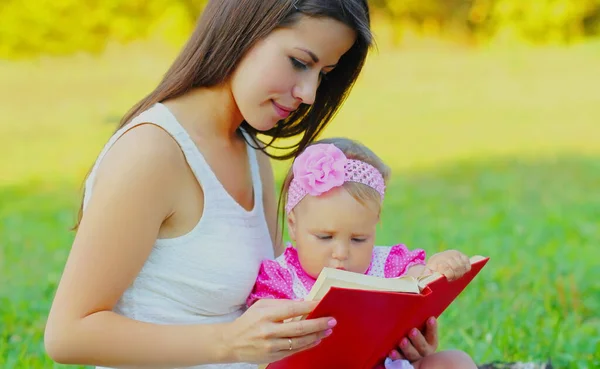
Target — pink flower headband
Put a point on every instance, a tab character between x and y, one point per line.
322	167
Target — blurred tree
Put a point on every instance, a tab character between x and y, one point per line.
537	21
545	21
193	8
33	27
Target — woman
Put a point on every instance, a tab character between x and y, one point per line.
179	208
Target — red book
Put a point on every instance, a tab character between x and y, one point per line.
372	316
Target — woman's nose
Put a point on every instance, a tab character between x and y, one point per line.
306	89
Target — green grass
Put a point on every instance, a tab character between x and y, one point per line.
494	153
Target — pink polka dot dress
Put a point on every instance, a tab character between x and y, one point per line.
284	278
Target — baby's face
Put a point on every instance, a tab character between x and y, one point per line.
333	230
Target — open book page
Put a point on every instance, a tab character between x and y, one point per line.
343	279
330	277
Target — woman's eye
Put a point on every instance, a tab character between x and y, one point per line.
359	239
321	237
298	64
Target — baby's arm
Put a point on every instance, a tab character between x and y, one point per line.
273	282
416	270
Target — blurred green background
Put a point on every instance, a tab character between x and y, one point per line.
488	111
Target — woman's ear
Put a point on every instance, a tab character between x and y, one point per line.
291	221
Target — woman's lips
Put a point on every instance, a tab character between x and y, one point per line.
282	111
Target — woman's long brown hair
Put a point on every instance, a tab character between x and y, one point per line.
224	33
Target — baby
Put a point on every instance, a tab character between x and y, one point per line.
335	190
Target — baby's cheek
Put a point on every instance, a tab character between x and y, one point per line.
313	268
311	261
364	258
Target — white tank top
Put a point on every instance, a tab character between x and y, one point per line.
205	275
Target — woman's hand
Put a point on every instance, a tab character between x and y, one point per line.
261	336
418	345
453	264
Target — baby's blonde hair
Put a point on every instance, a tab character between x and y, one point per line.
353	150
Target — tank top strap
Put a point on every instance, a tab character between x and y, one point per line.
216	197
255	169
159	115
193	156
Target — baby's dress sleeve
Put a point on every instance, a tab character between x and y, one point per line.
400	259
273	282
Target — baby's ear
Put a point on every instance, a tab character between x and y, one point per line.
291	221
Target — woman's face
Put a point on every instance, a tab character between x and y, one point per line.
284	69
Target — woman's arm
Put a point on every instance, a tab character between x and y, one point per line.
133	195
270	201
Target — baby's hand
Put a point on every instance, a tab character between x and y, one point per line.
453	264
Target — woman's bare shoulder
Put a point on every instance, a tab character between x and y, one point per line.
146	150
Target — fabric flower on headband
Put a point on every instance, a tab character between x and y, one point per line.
321	167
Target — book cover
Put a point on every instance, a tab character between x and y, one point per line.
371	322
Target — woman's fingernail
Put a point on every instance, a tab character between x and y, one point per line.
404	342
413	333
395	355
328	332
332	323
431	321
